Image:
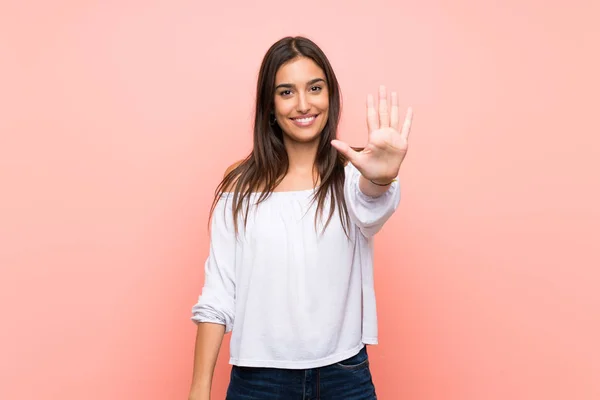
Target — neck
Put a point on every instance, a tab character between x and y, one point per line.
301	156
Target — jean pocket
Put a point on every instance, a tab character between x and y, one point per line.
360	360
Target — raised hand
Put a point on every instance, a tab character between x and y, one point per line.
381	158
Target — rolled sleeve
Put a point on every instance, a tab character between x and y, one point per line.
216	304
367	212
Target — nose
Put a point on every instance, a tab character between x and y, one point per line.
302	107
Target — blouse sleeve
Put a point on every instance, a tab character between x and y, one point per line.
367	212
216	303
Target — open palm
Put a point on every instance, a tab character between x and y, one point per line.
387	145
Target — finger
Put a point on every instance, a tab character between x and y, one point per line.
372	120
394	120
407	123
384	116
345	149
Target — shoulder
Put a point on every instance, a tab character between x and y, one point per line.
232	167
229	181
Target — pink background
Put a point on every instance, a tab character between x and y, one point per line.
118	118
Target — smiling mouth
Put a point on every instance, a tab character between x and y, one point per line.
305	121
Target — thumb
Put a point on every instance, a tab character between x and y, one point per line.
345	149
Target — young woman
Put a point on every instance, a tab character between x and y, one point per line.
290	267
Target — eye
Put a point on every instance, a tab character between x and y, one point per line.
285	92
316	88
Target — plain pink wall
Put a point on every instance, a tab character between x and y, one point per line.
117	119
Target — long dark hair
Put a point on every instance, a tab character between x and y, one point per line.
267	164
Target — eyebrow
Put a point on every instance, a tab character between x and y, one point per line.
289	85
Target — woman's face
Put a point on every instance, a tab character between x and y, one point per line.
301	99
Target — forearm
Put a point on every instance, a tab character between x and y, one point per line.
209	337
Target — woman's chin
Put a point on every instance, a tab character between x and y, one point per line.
303	135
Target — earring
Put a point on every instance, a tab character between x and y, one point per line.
273	120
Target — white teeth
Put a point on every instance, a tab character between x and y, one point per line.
304	120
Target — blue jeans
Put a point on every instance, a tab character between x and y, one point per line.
347	380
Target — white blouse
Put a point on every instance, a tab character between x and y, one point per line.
294	297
